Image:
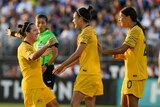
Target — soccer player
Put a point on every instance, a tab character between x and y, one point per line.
50	55
88	83
133	51
47	60
36	93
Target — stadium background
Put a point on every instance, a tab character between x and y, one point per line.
109	33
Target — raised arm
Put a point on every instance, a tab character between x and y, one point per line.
38	53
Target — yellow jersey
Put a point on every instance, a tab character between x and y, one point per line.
136	59
31	69
89	59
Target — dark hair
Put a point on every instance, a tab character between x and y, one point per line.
24	28
85	13
130	11
43	17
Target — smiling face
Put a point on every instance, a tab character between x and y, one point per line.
33	34
41	24
123	20
76	20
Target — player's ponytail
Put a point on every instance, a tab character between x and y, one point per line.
24	28
139	24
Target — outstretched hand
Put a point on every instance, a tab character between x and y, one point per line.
59	69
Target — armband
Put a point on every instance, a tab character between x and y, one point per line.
50	46
56	45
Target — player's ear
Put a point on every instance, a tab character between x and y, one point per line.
80	19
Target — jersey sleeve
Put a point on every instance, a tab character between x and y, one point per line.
27	51
131	38
85	36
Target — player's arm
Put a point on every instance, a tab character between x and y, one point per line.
55	54
49	50
64	68
75	55
39	52
73	63
129	42
119	50
71	60
159	69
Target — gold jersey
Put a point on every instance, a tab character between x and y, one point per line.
136	59
31	69
89	59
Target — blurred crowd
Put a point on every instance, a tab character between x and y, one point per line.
59	12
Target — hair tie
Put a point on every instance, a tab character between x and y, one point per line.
27	26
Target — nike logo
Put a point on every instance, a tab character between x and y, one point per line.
84	70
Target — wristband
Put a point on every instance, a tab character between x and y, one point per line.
50	46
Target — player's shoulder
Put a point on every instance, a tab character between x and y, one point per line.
136	29
88	30
25	46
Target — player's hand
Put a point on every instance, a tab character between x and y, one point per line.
159	80
8	31
50	42
59	69
119	56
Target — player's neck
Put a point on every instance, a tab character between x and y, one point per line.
132	25
85	25
26	40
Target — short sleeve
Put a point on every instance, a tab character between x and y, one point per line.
27	51
85	36
131	38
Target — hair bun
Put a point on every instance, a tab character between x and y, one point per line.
20	26
90	8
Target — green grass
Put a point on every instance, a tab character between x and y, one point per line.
21	105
